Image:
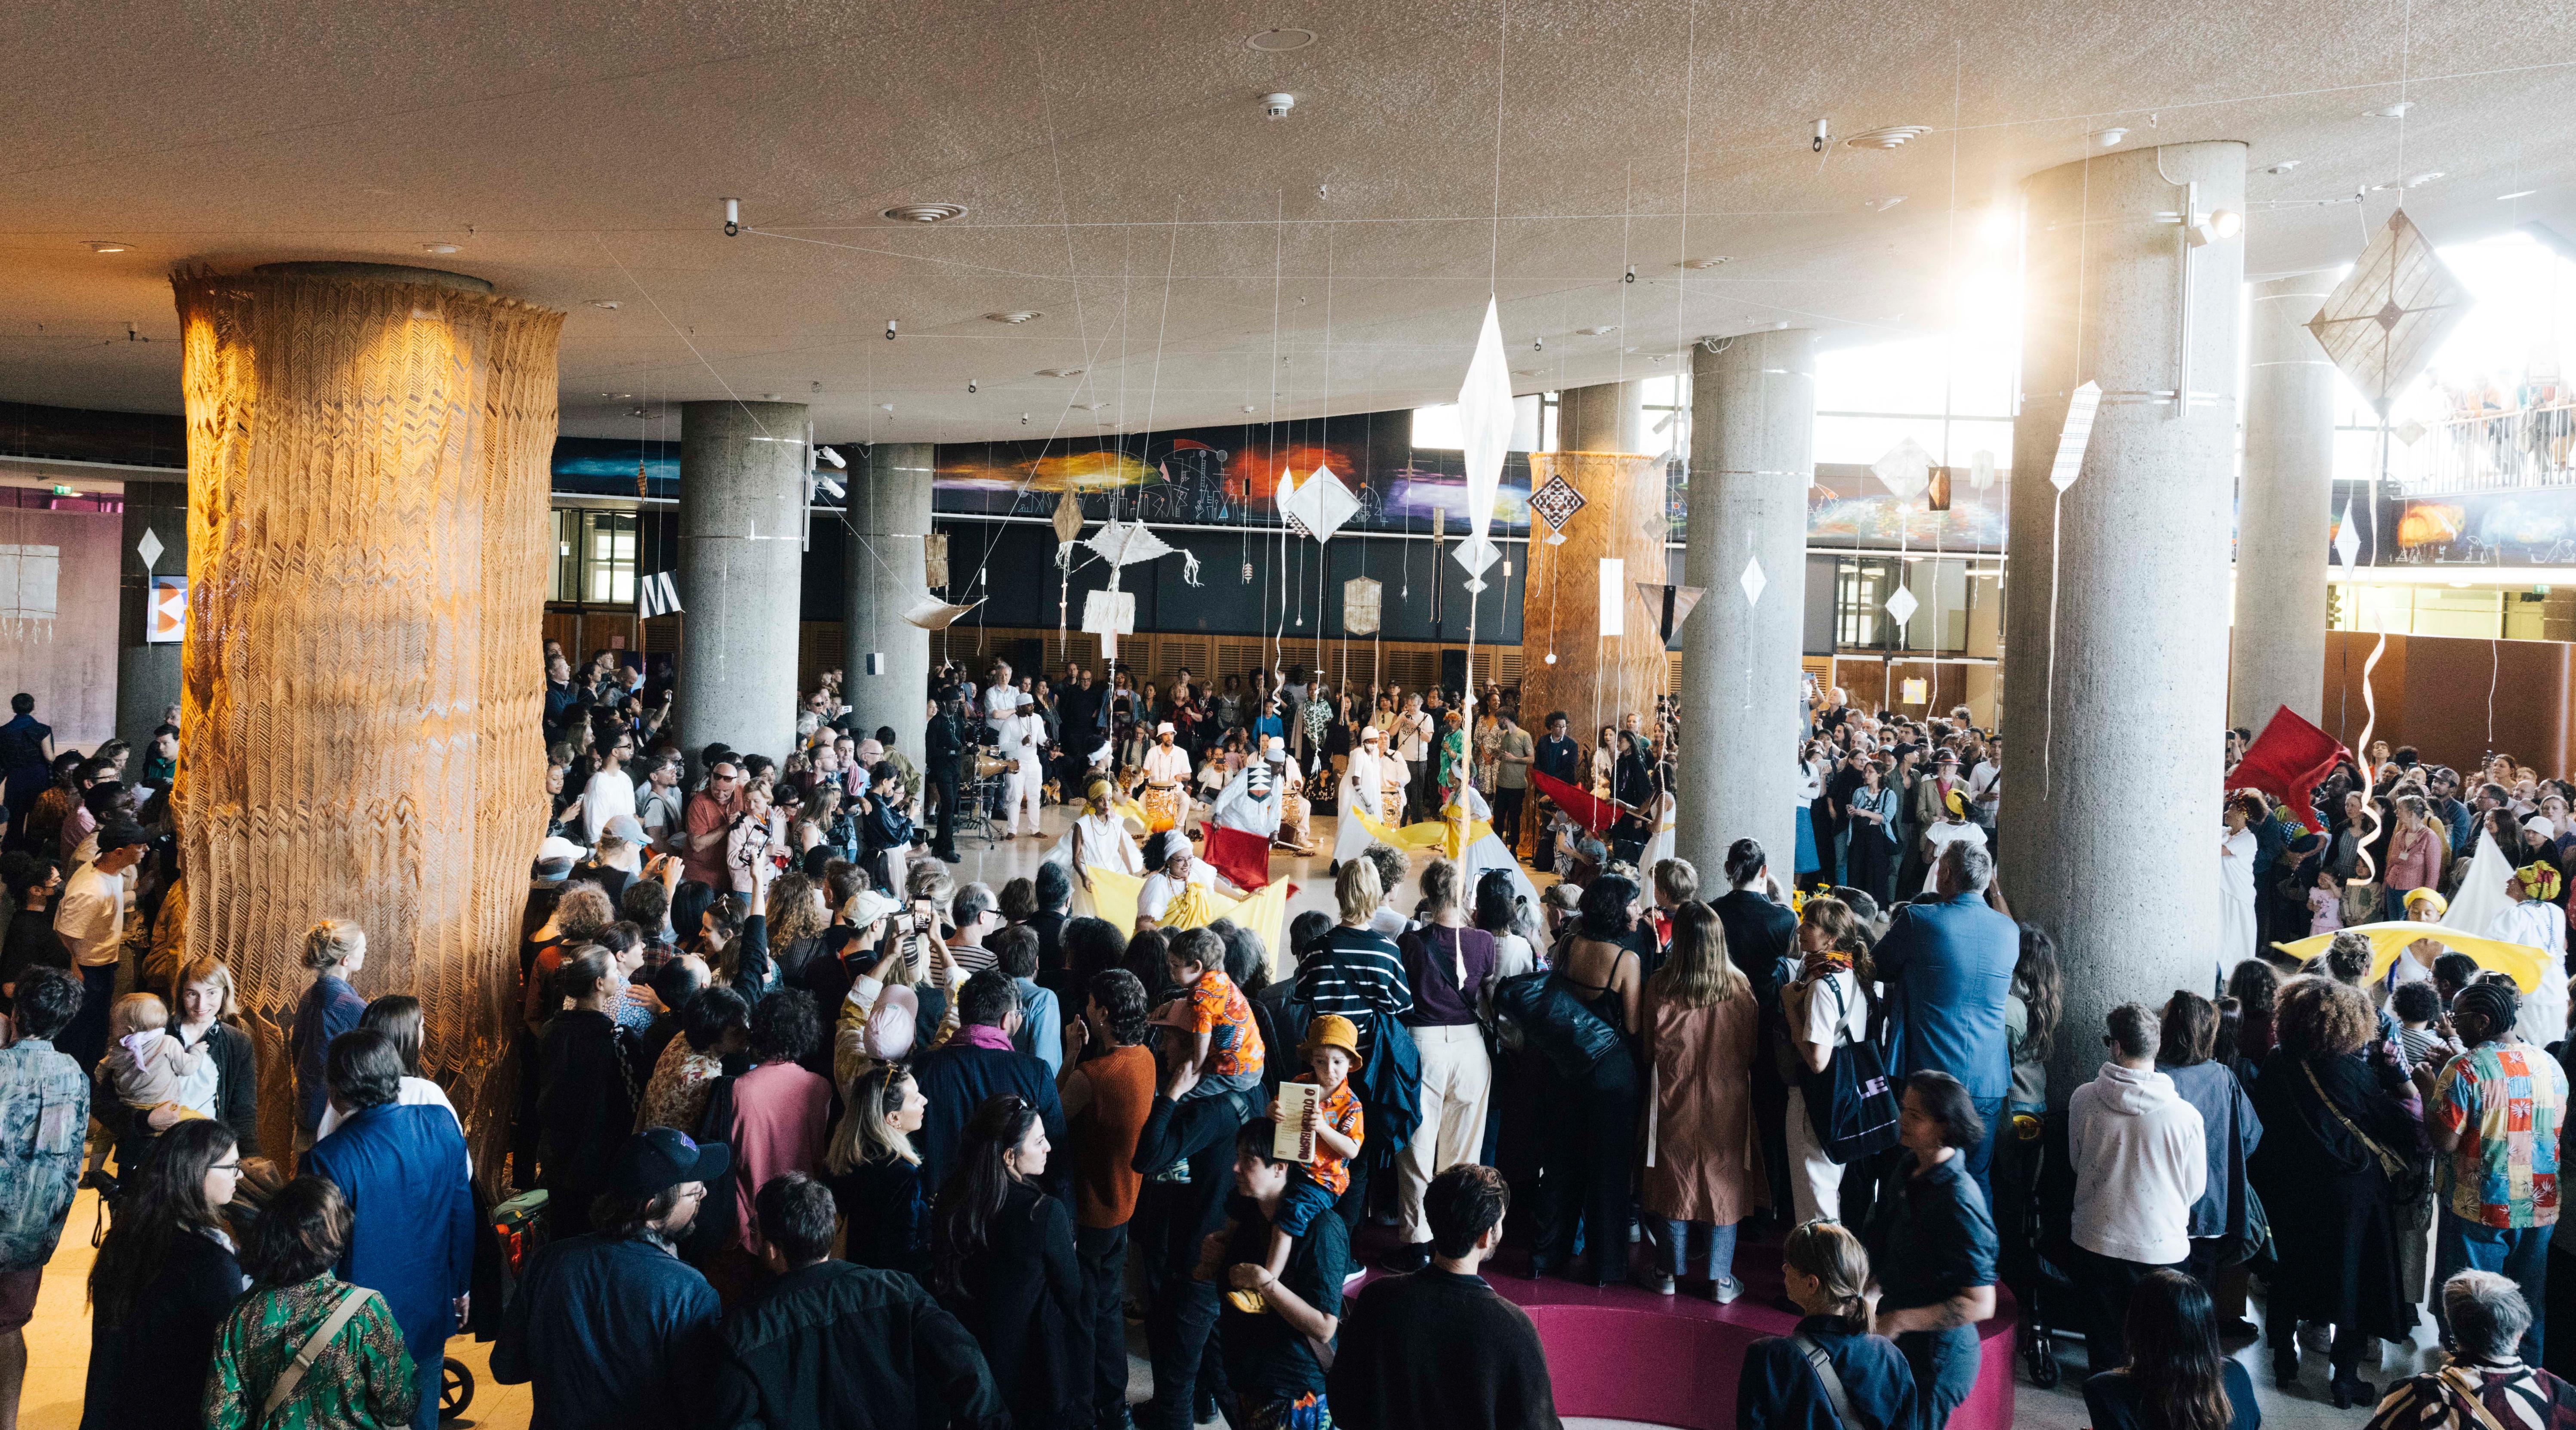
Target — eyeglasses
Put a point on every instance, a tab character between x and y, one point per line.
231	1166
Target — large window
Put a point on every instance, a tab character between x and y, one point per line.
594	561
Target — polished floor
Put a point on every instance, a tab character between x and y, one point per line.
58	1338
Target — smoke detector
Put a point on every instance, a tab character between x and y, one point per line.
1887	136
925	213
2389	111
1276	106
2109	138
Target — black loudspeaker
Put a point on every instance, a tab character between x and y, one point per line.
1453	669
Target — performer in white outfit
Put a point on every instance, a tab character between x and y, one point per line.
1489	852
1097	839
1023	742
2534	922
2238	934
1180	866
1167	779
1363	791
1249	802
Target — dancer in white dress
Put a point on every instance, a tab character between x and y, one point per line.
2238	929
1023	740
1363	792
2535	922
1098	839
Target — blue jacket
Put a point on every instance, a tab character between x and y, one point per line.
617	1332
411	1238
1948	965
1041	1033
957	1078
1777	1389
328	1008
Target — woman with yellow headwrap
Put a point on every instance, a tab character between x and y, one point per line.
1953	828
2535	920
1098	838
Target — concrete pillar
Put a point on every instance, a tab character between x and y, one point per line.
1605	417
742	559
2115	750
889	514
1752	457
367	460
2283	507
147	675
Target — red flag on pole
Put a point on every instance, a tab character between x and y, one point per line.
1596	815
2288	761
1240	856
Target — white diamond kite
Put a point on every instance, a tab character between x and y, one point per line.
1485	420
1901	607
1753	581
1477	555
1981	470
1321	502
2347	542
2077	433
2382	323
149	548
1905	470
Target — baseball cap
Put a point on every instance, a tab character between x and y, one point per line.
866	907
625	827
654	1162
121	833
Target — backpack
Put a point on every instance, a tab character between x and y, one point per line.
1851	1104
1553	1020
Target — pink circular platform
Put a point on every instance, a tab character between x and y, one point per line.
1625	1354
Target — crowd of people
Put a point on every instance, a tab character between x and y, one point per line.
809	1132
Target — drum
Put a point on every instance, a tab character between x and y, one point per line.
1164	808
987	766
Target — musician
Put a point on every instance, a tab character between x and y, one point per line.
1167	775
1293	813
1023	745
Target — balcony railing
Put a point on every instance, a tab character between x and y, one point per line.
2495	451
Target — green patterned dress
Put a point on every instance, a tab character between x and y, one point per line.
363	1380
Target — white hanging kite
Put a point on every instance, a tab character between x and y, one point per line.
933	614
1321	503
1477	555
1981	470
1753	581
1614	596
1124	543
1905	470
1900	607
1485	420
656	596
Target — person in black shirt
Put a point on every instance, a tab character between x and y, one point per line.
885	831
1557	757
943	746
1270	1354
1932	1244
1826	1273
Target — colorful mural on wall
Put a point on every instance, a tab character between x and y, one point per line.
2533	526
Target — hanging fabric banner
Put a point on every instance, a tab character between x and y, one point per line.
1614	596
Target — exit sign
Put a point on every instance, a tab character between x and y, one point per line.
63	491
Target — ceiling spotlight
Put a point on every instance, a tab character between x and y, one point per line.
885	407
1023	315
109	245
438	248
1887	136
1704	262
2108	138
890	329
609	304
2389	111
1276	106
1059	372
1276	42
1597	332
924	213
833	457
2209	228
2517	194
1091	406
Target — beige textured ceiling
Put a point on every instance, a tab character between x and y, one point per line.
1120	178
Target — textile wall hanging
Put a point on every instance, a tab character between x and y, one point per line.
367	477
1620	517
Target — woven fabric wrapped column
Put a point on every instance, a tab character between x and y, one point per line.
367	458
1622	516
2115	609
1752	458
889	514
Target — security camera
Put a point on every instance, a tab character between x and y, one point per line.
833	457
1276	106
733	217
825	484
889	330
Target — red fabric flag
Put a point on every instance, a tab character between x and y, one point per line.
2288	761
1241	857
1596	815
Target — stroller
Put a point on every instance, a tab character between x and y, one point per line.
2034	1222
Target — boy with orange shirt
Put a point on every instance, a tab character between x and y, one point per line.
1333	1128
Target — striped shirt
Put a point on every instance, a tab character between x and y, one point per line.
1359	972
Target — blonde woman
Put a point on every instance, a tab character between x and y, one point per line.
335	949
1827	1007
1699	1024
1448	963
1359	972
1827	1274
875	1172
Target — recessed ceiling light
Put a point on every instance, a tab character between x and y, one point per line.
1704	262
438	248
1882	205
109	245
1273	42
2284	166
2411	181
925	213
1089	406
1888	136
1059	372
611	304
1524	372
2389	111
1022	315
2110	137
2517	194
1596	332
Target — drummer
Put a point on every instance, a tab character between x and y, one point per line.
1291	835
1167	775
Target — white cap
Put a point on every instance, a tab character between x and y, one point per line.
1274	748
2539	825
1370	733
554	848
1164	729
866	907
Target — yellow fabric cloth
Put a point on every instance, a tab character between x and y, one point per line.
2388	939
1113	897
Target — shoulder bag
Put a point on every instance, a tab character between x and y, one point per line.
288	1379
1852	1104
2406	1181
1826	1380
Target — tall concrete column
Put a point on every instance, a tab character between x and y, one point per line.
889	515
742	561
2110	695
1605	417
1752	457
2284	507
147	675
367	459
